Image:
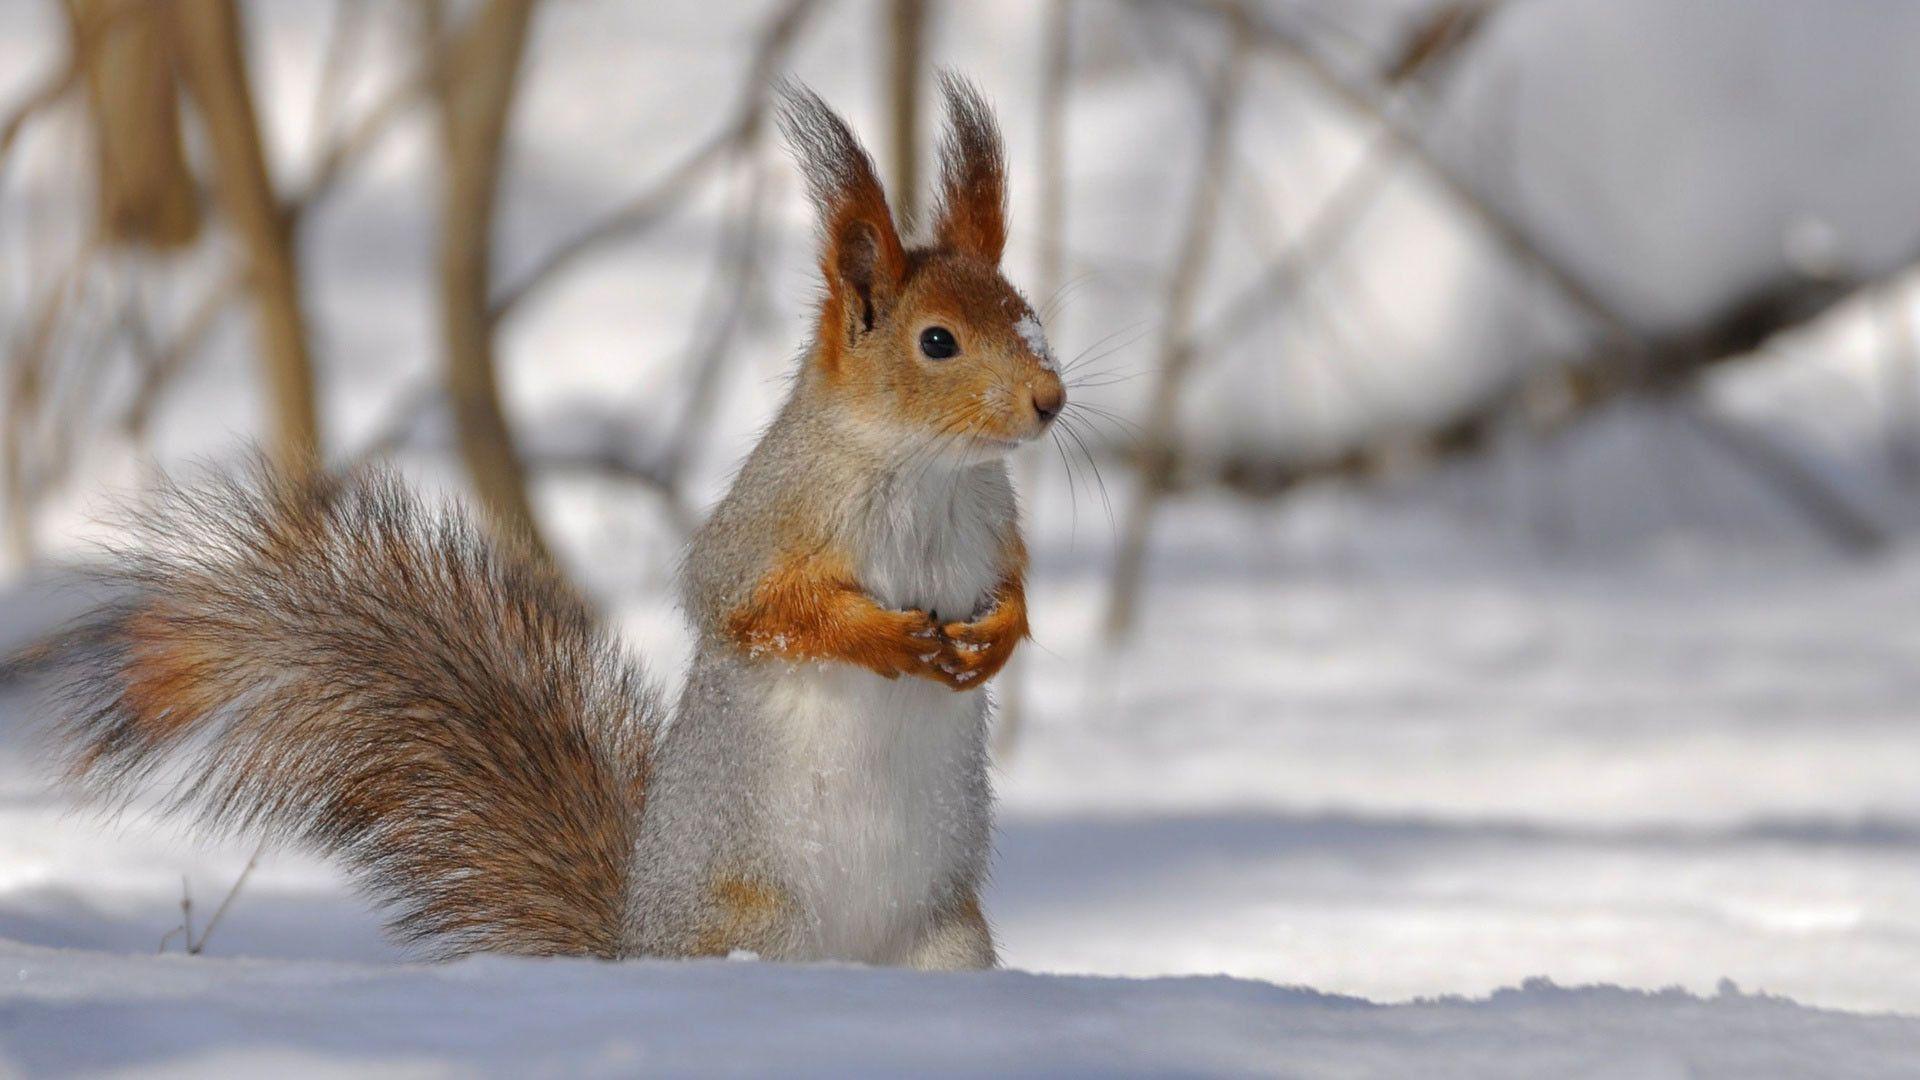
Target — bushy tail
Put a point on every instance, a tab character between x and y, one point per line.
327	662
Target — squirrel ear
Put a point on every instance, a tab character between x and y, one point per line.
972	216
860	251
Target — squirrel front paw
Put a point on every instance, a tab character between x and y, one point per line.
960	656
973	652
913	646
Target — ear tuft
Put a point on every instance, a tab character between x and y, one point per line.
860	251
972	215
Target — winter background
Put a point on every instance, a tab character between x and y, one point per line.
1511	411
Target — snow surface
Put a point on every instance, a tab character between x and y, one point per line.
1035	340
1321	769
201	1018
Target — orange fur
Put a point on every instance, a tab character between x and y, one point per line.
812	608
743	914
983	393
979	649
171	681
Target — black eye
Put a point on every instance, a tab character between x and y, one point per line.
937	343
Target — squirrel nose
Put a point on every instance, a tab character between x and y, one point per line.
1048	399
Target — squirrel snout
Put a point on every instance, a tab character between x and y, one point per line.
1049	398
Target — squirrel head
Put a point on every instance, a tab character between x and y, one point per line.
928	344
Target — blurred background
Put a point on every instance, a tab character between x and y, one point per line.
1487	549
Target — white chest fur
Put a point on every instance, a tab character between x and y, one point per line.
883	796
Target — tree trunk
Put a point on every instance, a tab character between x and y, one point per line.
144	190
907	32
475	96
207	41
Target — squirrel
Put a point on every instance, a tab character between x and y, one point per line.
328	662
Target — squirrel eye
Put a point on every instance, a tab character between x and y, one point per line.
938	343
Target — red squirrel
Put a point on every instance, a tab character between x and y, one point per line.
325	662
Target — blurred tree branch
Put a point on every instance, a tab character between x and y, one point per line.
475	94
27	377
1056	71
145	193
208	44
774	42
1623	361
165	363
906	64
1176	349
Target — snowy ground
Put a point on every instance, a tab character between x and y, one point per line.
99	1013
1317	769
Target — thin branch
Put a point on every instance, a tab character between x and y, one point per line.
1176	351
351	146
398	430
349	18
169	361
208	40
734	285
610	462
1399	142
42	98
27	378
1055	80
906	63
635	216
644	210
195	946
474	102
1820	503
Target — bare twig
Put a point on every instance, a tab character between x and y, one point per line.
169	360
1817	501
474	101
343	150
208	40
349	17
1435	37
43	97
1901	362
196	945
609	462
907	38
398	429
642	211
26	385
1176	350
636	215
1406	145
186	917
734	287
1055	75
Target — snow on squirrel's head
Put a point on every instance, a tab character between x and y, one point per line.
930	342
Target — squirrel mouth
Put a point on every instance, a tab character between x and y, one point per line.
995	442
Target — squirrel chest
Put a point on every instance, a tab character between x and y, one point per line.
882	795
